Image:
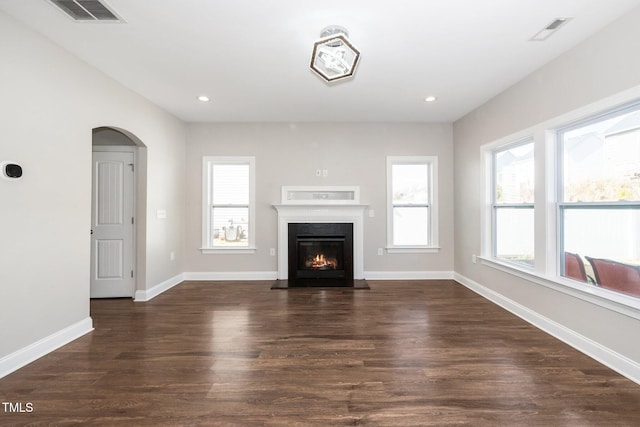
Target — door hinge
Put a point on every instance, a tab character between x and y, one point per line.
132	274
132	167
131	220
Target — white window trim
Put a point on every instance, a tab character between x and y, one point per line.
207	163
614	301
547	270
493	205
433	245
559	203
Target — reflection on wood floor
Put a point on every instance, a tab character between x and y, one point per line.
418	353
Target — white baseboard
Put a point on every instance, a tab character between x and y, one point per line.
408	275
28	354
597	351
273	275
232	275
146	295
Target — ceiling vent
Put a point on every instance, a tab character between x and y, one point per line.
87	10
546	32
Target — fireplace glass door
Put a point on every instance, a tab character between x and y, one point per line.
321	255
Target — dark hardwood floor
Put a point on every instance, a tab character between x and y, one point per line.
421	353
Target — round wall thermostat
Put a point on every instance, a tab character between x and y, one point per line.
11	170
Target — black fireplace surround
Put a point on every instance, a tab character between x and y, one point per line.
320	254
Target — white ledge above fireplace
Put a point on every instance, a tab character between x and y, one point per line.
312	195
305	209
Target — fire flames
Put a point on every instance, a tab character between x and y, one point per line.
320	262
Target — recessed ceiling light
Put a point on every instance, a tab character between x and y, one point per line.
203	98
431	98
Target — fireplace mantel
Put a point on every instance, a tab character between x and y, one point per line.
320	213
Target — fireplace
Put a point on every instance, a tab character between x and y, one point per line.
317	208
320	253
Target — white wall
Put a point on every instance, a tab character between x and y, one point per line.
289	154
49	104
51	101
601	67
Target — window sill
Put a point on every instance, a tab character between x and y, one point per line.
230	250
413	250
620	303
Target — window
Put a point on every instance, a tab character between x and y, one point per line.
586	240
512	203
599	200
412	197
228	204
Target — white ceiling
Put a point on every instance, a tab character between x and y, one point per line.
251	57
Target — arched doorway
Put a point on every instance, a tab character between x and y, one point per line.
117	213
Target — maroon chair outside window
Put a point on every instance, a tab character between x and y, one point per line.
616	276
574	267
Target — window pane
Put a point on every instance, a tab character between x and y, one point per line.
515	234
230	184
515	174
410	226
410	184
601	161
605	234
230	226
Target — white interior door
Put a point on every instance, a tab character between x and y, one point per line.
112	225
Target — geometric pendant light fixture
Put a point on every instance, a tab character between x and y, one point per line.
334	57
